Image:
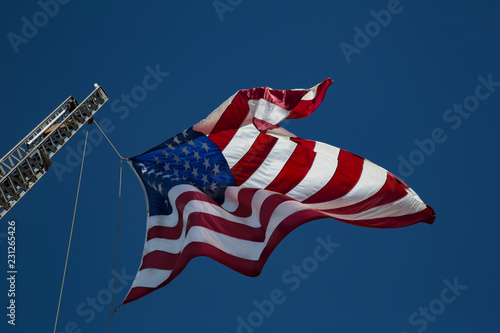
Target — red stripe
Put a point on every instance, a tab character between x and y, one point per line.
296	168
136	293
159	260
226	227
237	111
165	232
222	138
345	178
305	108
244	200
285	99
263	125
427	216
234	115
390	192
253	159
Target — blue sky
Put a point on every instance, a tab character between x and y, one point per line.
416	90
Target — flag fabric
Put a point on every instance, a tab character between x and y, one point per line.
234	185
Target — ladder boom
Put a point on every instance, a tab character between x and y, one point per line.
29	160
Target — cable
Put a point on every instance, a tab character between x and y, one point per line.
108	139
71	233
116	247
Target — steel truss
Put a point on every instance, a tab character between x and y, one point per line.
30	159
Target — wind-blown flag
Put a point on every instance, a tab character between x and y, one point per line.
234	185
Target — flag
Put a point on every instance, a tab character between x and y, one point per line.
234	185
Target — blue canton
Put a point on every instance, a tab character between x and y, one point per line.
188	158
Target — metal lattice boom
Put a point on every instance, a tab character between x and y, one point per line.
27	162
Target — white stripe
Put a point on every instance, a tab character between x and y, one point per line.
311	94
405	206
371	180
267	111
150	277
272	165
239	145
322	170
162	221
231	202
207	125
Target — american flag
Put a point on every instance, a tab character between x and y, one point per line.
234	185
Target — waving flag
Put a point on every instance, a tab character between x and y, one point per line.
234	185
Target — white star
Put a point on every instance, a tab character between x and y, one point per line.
159	173
144	170
165	176
185	150
165	153
204	145
157	160
176	173
206	163
169	146
150	172
185	133
176	140
159	188
216	169
195	172
167	167
176	158
166	202
191	142
213	186
186	165
197	155
205	179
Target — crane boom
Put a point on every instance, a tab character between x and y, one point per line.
29	160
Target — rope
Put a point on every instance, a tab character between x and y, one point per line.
116	247
71	233
108	140
118	222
